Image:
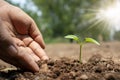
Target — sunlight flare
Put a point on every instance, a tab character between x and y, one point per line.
111	15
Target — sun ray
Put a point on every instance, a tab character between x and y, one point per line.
105	17
111	14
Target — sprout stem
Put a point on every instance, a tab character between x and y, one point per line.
80	55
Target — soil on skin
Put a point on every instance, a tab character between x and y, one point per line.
97	68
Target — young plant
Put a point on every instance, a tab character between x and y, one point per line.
81	43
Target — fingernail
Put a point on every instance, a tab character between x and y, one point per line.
45	58
12	50
36	68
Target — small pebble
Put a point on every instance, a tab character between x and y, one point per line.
84	77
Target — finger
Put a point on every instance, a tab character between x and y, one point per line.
35	57
17	61
6	58
18	42
36	35
38	50
9	59
27	60
27	40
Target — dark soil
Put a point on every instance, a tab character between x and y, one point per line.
97	68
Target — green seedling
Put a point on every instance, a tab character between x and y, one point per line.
81	43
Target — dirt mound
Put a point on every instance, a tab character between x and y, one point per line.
97	68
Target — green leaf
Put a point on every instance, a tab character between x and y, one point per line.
91	40
72	37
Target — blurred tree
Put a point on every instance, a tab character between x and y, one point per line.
117	35
70	17
62	17
12	3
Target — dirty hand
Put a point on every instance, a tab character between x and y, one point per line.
21	43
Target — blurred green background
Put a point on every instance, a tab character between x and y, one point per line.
57	18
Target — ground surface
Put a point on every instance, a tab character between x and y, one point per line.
93	68
106	49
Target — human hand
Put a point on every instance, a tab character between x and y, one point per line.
21	43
